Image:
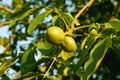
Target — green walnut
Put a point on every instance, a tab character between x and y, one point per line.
69	44
93	32
55	34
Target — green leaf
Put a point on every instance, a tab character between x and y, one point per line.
95	26
66	55
51	78
66	18
65	62
96	56
44	45
29	67
29	12
115	24
58	22
54	19
107	25
38	20
82	46
28	56
24	15
69	18
4	66
116	45
84	53
28	61
30	76
13	22
48	49
3	41
108	31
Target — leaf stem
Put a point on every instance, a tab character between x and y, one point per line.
84	26
46	73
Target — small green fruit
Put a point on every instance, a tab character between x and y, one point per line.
93	32
55	35
69	44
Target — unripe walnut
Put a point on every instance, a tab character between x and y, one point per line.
55	35
69	43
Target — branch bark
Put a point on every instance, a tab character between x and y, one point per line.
8	45
4	23
7	9
81	11
16	75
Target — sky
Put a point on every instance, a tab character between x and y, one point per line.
6	2
4	32
4	29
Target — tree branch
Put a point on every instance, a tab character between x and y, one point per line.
8	45
84	8
4	23
81	11
6	9
16	75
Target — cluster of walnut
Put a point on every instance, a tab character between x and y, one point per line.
57	36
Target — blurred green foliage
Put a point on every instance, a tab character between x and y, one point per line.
27	40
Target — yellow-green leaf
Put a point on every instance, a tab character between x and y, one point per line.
24	15
115	24
38	20
66	55
4	66
96	56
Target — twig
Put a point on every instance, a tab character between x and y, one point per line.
8	45
4	23
46	73
80	27
81	11
16	75
6	9
84	8
5	49
8	22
